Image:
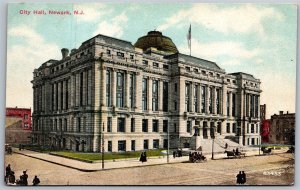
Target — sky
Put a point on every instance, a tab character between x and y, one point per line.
259	39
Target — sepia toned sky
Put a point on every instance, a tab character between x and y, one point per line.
259	39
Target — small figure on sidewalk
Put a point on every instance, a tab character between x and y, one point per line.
226	146
35	181
239	178
20	147
243	177
174	154
7	172
12	178
143	157
24	178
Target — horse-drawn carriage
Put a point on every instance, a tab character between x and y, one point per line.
266	150
197	157
233	154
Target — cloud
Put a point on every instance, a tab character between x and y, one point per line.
213	50
238	19
22	59
92	11
113	27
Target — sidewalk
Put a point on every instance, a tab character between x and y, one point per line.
109	164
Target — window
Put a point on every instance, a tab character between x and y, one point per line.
165	96
187	97
144	94
146	144
196	70
109	146
121	146
80	89
132	125
165	126
175	128
210	100
175	88
196	98
155	125
188	126
188	68
155	143
155	95
131	90
175	105
233	104
166	67
65	124
228	80
228	128
78	124
203	99
227	103
120	89
247	105
67	95
218	101
108	52
133	145
256	106
131	56
155	64
108	88
60	124
252	128
145	62
203	72
120	54
109	124
121	124
145	125
253	141
257	128
234	127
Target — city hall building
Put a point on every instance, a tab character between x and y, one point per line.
139	97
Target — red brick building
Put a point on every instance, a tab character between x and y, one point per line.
23	114
265	130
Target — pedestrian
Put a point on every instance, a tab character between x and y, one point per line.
243	177
24	178
145	157
12	178
226	146
20	147
142	157
237	151
174	154
35	181
7	172
239	178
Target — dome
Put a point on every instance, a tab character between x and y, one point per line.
157	40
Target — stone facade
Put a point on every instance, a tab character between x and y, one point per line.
136	97
282	129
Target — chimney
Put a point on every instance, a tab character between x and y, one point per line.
287	112
280	112
64	52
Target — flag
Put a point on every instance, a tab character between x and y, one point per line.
189	38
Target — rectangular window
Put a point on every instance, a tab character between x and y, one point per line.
121	146
175	105
155	64
165	126
247	105
252	128
109	124
234	127
120	89
131	90
108	88
155	143
120	54
175	128
80	89
132	125
146	144
210	100
108	52
144	94
155	125
256	106
188	68
145	125
166	67
257	128
253	141
165	96
109	146
196	98
121	124
227	103
228	128
218	101
133	145
155	95
203	99
196	70
66	124
67	95
188	126
145	62
78	124
187	97
233	104
175	88
131	56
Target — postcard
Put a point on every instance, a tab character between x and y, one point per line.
150	94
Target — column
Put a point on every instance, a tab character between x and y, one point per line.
114	86
97	85
191	98
207	99
77	89
84	87
72	91
150	93
224	100
199	98
127	84
138	91
214	93
223	128
160	95
201	129
64	94
230	103
258	102
59	96
128	125
90	89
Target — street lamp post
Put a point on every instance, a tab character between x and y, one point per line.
213	142
102	145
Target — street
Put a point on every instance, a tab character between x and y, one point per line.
260	170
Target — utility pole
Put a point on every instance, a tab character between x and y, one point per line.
102	145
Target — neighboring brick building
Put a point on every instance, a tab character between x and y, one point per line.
282	130
264	124
18	125
139	92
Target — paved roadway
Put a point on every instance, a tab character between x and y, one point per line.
262	170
